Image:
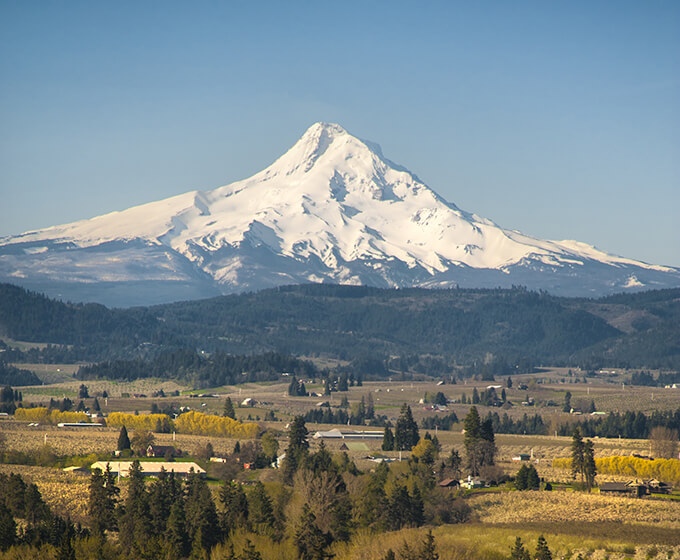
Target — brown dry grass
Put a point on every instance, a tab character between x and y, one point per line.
65	441
573	507
65	493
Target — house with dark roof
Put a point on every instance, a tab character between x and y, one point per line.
162	451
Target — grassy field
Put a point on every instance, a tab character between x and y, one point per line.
478	541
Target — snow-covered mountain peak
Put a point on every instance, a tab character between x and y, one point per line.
332	208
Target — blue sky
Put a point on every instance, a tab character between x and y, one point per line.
560	119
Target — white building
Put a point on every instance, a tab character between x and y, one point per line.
149	468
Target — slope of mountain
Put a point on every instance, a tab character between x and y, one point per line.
332	209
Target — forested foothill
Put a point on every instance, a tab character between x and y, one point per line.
427	330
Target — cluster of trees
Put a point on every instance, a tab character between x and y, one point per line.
197	423
296	388
488	397
667	470
646	379
173	519
519	552
479	442
191	422
527	478
361	414
498	365
159	423
405	435
530	425
10	375
631	425
583	459
444	422
201	371
437	398
49	416
9	399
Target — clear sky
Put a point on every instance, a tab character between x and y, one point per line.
559	119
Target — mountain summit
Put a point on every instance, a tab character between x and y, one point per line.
331	209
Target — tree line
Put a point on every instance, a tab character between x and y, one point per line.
203	371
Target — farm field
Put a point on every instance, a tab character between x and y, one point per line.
593	525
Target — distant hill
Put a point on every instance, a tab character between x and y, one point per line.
360	323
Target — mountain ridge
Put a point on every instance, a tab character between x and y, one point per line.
355	322
333	209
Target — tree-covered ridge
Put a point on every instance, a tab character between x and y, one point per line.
353	323
29	316
325	319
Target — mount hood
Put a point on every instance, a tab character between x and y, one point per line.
331	209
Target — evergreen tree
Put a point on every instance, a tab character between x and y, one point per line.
234	507
35	509
398	508
429	550
96	406
567	402
8	528
123	439
406	430
201	515
577	454
508	384
135	523
176	538
521	478
83	392
160	503
297	448
533	481
373	506
417	507
66	550
388	440
228	411
260	510
475	396
370	407
589	468
487	442
102	500
471	441
518	552
542	550
309	539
